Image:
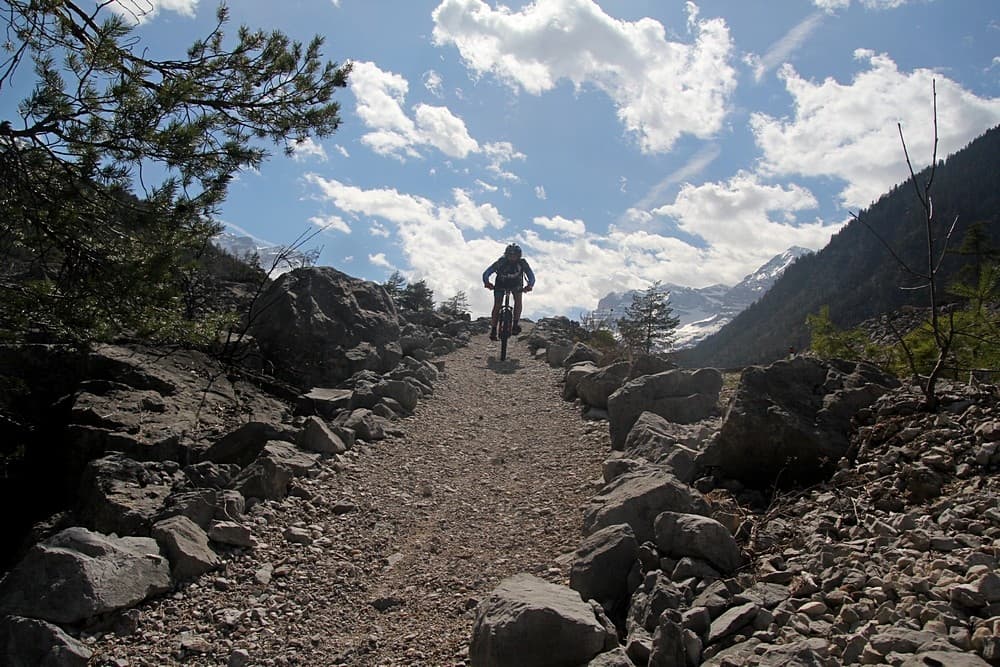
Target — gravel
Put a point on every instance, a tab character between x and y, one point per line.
382	557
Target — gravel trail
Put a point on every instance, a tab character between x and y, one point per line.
396	542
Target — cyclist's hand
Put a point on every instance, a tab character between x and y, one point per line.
488	285
527	288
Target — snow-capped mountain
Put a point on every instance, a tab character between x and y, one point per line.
703	311
280	258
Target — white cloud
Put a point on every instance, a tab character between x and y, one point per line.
833	5
499	154
380	99
440	128
736	219
308	148
336	3
562	226
486	187
662	89
883	4
698	162
330	222
433	82
430	234
379	259
340	149
540	192
467	214
145	10
779	52
849	131
444	244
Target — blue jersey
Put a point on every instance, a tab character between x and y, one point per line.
510	275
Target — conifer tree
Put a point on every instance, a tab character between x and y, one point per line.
91	244
394	285
456	306
417	296
648	321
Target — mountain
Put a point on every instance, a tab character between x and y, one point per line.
705	310
280	258
856	274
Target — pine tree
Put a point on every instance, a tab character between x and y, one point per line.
457	306
417	296
648	322
88	249
394	285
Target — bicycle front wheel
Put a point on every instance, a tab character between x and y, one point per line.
505	324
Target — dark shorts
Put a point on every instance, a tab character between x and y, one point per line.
499	290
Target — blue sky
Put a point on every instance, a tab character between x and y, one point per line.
619	141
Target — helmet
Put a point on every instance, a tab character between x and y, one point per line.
513	251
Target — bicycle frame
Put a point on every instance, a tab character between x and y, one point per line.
506	323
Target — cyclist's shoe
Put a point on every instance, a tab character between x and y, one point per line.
493	334
516	329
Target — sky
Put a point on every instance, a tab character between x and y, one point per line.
619	142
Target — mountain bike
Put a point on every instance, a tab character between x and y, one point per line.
506	323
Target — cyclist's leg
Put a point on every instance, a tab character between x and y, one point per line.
497	302
517	310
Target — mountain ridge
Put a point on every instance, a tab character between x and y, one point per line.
703	311
856	275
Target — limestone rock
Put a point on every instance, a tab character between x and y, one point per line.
637	498
78	574
682	396
186	547
29	642
529	622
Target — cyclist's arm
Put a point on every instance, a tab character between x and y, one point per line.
490	270
529	274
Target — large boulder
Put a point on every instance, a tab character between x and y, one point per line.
29	642
316	436
77	574
267	478
655	439
203	505
243	444
683	396
122	496
574	374
602	564
679	535
638	497
186	546
529	622
793	419
581	352
318	326
595	388
649	364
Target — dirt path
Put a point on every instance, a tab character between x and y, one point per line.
404	536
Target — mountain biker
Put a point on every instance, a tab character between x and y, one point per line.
511	270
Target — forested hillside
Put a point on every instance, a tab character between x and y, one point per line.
855	275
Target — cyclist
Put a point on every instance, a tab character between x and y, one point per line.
511	270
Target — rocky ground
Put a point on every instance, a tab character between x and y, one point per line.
382	557
388	553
